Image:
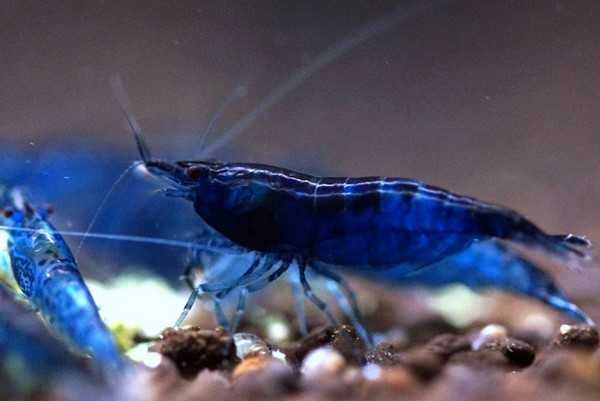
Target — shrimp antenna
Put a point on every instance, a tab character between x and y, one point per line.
123	101
239	92
105	199
135	238
377	27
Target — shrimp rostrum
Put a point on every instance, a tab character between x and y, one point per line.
363	225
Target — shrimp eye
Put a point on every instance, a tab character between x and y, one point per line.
194	172
7	213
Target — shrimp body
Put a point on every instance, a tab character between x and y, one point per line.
362	223
46	273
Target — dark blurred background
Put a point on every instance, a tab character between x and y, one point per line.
497	99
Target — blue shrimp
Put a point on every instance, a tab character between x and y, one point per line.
47	275
29	355
369	224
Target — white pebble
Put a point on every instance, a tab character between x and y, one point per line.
278	331
565	329
322	361
491	332
371	371
248	343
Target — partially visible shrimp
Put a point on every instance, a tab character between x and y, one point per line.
29	351
47	275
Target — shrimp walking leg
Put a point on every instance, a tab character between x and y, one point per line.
239	311
309	293
219	313
346	299
263	282
298	298
205	288
217	305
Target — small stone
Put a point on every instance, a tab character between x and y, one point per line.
278	331
248	344
371	372
518	352
193	349
446	345
577	336
482	359
324	361
391	381
349	344
397	379
385	354
263	377
490	333
343	338
423	363
254	363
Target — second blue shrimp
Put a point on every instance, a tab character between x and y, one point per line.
47	275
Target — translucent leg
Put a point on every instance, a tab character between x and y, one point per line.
294	280
219	313
262	282
347	301
211	288
309	293
239	311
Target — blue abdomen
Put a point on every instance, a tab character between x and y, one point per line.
381	222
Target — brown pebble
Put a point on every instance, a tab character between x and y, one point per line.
446	345
391	381
349	344
484	358
343	338
398	379
263	377
507	353
577	336
253	363
423	363
518	352
385	354
193	349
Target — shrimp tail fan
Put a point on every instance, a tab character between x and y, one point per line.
573	250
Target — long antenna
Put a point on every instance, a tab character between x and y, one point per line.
100	207
135	238
239	92
123	101
120	95
377	27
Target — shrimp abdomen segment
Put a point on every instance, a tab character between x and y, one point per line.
380	222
